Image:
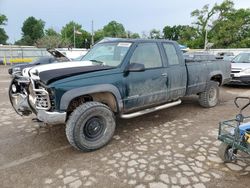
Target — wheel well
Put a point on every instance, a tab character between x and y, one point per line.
217	78
106	98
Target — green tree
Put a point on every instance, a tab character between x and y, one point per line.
205	16
98	35
184	34
51	32
173	33
53	41
82	37
169	33
132	35
155	34
233	31
135	36
227	26
32	30
3	36
189	36
114	29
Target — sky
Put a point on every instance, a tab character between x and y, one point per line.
136	15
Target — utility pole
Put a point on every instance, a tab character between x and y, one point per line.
92	31
74	36
205	45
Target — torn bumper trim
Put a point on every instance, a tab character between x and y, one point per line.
51	117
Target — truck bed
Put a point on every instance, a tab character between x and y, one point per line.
197	83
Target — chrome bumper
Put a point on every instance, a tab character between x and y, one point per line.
51	117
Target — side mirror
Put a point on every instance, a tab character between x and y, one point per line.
135	67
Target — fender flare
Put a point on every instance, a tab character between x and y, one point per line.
73	93
214	73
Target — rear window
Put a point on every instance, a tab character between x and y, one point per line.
171	54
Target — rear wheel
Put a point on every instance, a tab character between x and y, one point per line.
90	126
210	97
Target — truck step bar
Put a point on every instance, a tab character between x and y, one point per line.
149	110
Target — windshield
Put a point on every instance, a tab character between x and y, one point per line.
242	58
110	54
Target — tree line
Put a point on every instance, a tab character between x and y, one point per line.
222	25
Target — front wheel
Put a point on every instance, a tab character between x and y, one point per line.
210	97
227	153
90	126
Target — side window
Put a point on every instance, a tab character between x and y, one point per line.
171	54
147	54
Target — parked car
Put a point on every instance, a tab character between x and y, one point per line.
124	78
241	69
55	57
228	58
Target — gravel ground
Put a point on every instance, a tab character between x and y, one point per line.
176	147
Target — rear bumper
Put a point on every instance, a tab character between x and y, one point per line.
51	117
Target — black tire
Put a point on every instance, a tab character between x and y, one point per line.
90	126
210	97
224	153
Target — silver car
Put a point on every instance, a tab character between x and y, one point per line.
240	72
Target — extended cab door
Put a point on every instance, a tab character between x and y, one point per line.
149	86
176	70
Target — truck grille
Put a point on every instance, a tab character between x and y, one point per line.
42	100
40	97
235	71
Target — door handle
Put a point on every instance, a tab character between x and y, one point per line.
164	75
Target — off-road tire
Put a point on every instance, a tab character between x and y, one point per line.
86	119
210	97
223	152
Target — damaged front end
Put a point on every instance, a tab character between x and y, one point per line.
28	96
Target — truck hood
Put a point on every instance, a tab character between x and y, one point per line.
52	72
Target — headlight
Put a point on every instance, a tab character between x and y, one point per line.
246	71
13	88
16	69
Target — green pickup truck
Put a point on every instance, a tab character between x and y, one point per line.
119	78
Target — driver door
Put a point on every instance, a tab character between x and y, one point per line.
148	87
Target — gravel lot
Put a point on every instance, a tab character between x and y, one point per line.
176	147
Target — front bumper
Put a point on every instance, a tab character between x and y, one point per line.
51	118
241	80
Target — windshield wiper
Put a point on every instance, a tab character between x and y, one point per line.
97	61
